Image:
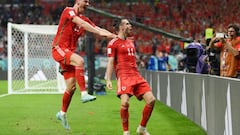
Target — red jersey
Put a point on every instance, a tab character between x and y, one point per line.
123	52
68	32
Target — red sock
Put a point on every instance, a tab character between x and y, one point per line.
124	116
147	111
66	99
80	78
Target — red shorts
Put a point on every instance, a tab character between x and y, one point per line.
62	56
132	85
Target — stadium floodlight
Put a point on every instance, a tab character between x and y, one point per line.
31	68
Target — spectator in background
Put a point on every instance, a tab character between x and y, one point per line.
162	61
152	63
229	46
141	62
181	61
172	62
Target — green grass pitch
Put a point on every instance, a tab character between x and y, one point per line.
34	114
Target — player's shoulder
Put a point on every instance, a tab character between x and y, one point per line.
130	40
85	18
66	9
70	11
113	41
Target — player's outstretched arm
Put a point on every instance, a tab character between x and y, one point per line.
88	27
109	72
106	31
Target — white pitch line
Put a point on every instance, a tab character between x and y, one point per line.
3	95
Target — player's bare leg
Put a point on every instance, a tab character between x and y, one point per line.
78	62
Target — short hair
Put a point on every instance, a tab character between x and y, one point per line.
235	27
116	23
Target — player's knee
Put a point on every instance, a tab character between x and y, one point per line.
80	62
149	98
125	104
151	101
71	88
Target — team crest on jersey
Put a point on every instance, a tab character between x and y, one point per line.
77	29
123	88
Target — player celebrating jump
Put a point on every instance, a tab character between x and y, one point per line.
122	59
71	26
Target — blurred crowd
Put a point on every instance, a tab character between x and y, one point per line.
186	18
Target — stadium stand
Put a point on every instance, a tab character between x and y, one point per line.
184	18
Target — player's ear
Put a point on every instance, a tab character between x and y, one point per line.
116	23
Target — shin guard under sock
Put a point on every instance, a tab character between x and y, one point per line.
80	78
147	111
124	117
66	99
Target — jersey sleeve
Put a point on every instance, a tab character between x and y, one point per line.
111	48
70	13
